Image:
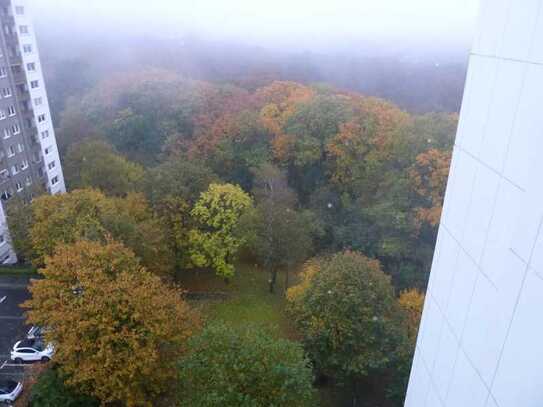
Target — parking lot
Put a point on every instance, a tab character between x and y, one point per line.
13	292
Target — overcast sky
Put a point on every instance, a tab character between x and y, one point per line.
279	22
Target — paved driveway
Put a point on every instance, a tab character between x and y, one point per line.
13	292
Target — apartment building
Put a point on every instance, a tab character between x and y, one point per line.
29	158
480	339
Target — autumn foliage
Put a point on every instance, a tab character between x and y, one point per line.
117	329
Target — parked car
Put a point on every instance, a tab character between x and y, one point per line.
9	390
36	332
32	350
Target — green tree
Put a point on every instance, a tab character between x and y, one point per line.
213	241
94	164
179	177
51	391
245	367
349	319
117	328
279	235
89	214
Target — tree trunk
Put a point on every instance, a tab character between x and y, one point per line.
286	279
273	280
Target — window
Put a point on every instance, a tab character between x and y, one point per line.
4	174
11	111
20	147
29	124
31	66
19	10
54	180
16	69
15	169
48	149
11	151
28	180
23	29
19	186
45	134
41	118
6	92
3	72
38	101
15	129
40	172
51	165
2	114
24	165
27	49
34	84
7	133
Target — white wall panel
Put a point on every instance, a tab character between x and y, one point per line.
480	342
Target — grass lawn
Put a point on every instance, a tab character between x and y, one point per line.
248	299
249	302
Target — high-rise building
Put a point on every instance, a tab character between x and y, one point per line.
29	157
481	336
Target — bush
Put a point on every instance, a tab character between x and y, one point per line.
244	367
50	391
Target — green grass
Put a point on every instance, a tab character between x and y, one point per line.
17	270
248	299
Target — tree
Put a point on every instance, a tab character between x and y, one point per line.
118	330
178	177
89	214
94	164
19	221
51	391
174	214
429	178
412	301
245	367
350	322
216	214
279	235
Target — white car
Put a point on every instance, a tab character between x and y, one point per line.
32	350
9	390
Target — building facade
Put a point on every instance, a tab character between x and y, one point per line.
29	158
480	340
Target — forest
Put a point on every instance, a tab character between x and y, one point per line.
234	246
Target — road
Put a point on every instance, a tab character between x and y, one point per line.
13	292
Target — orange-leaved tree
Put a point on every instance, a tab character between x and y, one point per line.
429	177
117	329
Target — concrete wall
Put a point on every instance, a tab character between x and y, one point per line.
481	336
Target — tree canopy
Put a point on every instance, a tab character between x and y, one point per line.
244	367
117	328
348	316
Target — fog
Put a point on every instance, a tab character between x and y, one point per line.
287	24
412	52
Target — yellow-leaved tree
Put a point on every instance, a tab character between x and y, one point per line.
412	301
117	329
214	243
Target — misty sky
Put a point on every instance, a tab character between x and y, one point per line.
275	22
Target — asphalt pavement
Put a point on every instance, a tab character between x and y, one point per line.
13	292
